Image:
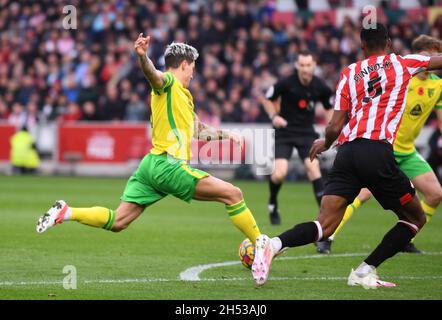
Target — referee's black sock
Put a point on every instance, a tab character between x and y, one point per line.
318	189
274	190
301	234
393	242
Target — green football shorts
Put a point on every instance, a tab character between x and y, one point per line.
160	175
412	164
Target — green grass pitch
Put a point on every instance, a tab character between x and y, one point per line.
146	260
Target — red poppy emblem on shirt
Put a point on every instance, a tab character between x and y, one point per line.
302	104
420	91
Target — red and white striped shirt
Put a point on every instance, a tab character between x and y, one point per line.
373	91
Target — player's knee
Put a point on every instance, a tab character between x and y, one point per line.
421	220
120	222
119	226
434	198
279	176
234	194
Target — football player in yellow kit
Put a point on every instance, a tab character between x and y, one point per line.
165	170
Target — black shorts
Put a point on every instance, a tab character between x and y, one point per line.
371	164
284	146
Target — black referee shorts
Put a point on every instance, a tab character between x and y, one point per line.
284	146
371	164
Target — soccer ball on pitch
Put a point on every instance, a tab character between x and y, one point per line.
247	253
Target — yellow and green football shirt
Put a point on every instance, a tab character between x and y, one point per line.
172	119
423	96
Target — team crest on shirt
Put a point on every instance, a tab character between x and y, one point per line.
430	92
420	91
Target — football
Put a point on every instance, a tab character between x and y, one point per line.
246	253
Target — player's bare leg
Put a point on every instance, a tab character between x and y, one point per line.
431	189
429	186
276	179
126	213
213	189
324	247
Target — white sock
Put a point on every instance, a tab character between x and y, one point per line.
364	269
331	238
67	215
276	244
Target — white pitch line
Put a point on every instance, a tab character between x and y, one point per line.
146	280
193	273
45	283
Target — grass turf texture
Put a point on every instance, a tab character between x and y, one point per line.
172	236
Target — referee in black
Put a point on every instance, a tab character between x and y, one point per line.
290	104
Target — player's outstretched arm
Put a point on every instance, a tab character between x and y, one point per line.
154	76
208	133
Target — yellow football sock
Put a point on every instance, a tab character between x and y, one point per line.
96	216
243	219
347	215
429	211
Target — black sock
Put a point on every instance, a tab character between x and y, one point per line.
299	235
274	189
393	242
318	189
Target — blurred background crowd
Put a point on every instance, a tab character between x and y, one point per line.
48	73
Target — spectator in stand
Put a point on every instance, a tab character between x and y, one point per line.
112	106
4	110
73	113
17	117
89	112
135	110
244	44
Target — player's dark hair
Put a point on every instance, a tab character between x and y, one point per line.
426	43
305	53
375	37
178	52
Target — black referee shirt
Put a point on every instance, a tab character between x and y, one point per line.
298	103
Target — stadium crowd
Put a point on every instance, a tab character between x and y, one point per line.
48	73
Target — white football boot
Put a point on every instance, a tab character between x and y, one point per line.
55	215
264	254
368	281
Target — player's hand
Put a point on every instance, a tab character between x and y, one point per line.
237	139
141	45
279	122
317	148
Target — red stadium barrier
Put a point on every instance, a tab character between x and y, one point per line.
121	142
102	143
6	132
